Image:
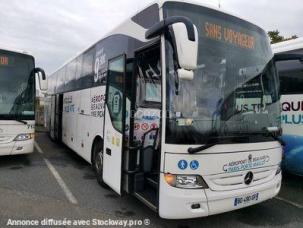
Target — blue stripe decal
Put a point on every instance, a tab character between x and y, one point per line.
293	160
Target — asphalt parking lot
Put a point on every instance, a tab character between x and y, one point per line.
55	183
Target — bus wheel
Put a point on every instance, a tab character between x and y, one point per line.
98	162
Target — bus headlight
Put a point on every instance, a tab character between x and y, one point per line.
24	137
185	181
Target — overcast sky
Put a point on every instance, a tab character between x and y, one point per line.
56	30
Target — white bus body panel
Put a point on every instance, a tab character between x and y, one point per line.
83	119
9	129
112	161
289	45
70	119
223	168
175	203
292	121
84	122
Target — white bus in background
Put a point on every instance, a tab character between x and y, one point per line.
17	101
178	106
291	80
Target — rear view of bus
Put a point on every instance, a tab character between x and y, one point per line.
17	102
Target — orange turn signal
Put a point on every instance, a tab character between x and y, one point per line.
170	179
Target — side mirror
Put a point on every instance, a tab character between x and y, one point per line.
185	42
43	85
186	49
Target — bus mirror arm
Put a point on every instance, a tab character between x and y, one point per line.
41	78
185	42
160	27
40	70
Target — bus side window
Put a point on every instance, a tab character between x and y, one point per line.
148	77
114	98
291	77
148	97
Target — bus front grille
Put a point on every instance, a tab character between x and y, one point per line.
6	139
231	181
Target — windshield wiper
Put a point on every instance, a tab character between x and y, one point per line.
242	138
18	119
21	121
200	148
208	144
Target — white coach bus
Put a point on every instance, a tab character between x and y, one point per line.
291	80
178	106
17	101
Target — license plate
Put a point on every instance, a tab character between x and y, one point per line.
246	199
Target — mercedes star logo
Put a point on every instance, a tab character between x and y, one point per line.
248	178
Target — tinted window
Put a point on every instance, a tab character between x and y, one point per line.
78	66
149	77
114	96
17	85
88	59
235	87
148	17
291	77
86	79
61	79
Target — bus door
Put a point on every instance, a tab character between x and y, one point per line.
146	123
58	117
114	123
53	116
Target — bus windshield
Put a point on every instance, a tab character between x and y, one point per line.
235	90
17	86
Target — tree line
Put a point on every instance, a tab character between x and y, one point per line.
275	37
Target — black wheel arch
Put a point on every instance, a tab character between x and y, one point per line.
97	139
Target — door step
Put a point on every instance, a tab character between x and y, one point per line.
151	182
149	198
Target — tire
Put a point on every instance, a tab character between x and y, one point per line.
98	162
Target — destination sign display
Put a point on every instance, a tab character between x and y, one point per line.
4	61
228	35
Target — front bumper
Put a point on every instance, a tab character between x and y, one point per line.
175	203
20	147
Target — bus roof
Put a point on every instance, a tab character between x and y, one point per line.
160	3
288	45
15	50
196	2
